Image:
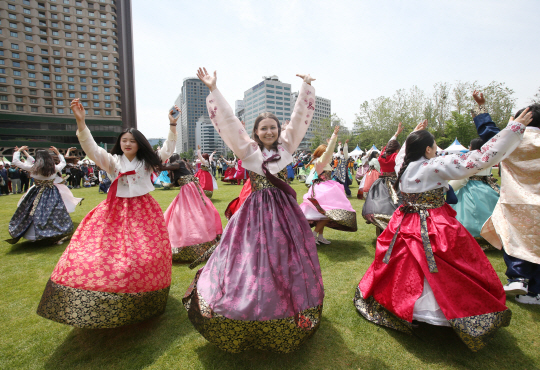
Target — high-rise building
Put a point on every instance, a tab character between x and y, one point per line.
323	109
239	109
192	102
54	51
208	138
270	95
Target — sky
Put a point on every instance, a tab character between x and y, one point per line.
357	50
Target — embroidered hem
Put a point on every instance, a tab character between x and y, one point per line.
192	252
98	310
474	331
208	193
278	335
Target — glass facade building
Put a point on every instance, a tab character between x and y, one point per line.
54	51
192	102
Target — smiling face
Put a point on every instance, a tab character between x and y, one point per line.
267	132
129	145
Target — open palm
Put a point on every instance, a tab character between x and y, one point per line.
209	80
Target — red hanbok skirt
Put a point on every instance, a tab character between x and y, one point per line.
466	287
236	203
205	180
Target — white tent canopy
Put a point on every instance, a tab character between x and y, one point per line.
356	152
456	148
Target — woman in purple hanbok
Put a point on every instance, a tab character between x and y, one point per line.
262	287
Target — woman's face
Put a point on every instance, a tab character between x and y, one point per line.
431	151
129	145
267	132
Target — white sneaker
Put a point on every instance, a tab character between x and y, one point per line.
527	299
515	288
322	239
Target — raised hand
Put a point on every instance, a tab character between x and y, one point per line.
207	79
399	129
171	118
307	78
199	147
347	141
421	126
78	109
479	97
336	130
525	117
55	150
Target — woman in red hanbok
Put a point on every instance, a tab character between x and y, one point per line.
117	268
206	180
427	266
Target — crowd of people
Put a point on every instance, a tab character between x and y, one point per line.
262	285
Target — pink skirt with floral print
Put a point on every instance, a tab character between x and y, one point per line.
121	247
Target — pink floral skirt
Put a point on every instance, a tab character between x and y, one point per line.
116	270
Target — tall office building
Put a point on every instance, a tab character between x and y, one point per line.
270	95
208	138
323	109
239	109
192	102
54	51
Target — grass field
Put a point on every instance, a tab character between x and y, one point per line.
344	340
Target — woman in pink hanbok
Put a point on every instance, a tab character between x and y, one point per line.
262	287
117	268
325	203
206	180
193	222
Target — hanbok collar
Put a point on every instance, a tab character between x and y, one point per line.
128	165
268	153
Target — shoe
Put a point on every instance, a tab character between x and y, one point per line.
321	239
527	299
316	238
515	288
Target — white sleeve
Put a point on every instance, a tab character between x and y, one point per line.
95	152
17	162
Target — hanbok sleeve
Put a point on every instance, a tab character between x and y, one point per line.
301	117
345	151
168	147
400	157
327	155
60	166
17	162
96	153
455	167
229	126
485	126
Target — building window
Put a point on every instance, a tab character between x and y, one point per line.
68	43
83	79
17	73
71	87
48	110
95	104
34	109
95	88
58	86
60	110
17	82
58	78
46	77
71	95
32	83
4	106
59	102
93	65
83	88
107	112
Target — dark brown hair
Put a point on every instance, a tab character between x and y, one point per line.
145	152
391	148
535	109
44	164
258	120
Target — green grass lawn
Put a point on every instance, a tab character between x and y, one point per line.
344	340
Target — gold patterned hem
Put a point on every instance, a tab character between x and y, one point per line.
192	252
278	335
476	331
99	310
381	221
373	311
340	219
208	193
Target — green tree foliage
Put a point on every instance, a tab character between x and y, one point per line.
447	108
188	155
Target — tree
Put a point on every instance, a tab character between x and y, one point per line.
159	144
188	155
536	98
324	130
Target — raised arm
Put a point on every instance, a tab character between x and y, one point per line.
88	144
60	166
225	122
327	155
17	159
346	150
167	149
211	158
292	135
485	126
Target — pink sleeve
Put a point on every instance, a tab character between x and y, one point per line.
303	112
229	126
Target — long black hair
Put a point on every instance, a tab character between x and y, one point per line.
535	109
44	164
373	155
145	152
415	148
477	143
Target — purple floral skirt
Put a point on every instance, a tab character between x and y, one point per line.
265	271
